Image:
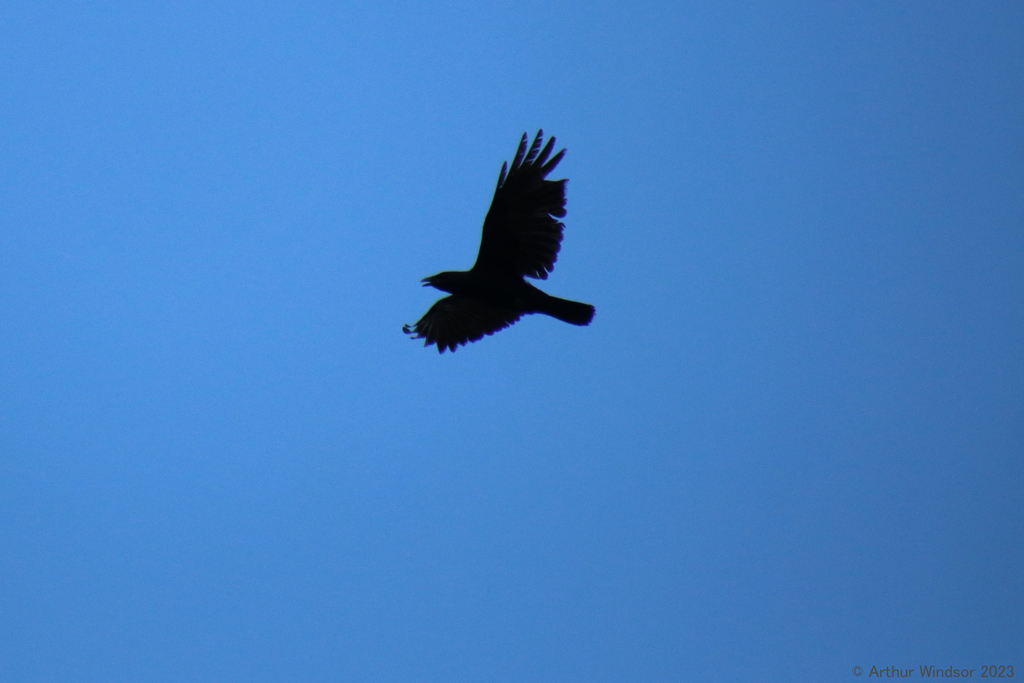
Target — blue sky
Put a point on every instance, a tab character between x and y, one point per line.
789	443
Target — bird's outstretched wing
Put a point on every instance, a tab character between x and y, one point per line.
522	233
456	320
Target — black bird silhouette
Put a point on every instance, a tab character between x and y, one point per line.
521	237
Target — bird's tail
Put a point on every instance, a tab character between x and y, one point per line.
572	312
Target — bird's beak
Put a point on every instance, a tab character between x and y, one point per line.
425	281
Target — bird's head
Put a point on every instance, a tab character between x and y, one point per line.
443	281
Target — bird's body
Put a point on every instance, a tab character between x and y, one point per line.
521	237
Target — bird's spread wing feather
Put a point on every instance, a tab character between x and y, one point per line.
522	231
456	320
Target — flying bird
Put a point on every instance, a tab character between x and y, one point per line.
521	237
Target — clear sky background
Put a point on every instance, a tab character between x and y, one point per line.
790	442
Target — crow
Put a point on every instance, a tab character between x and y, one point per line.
521	237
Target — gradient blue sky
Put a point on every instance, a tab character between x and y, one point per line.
790	442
